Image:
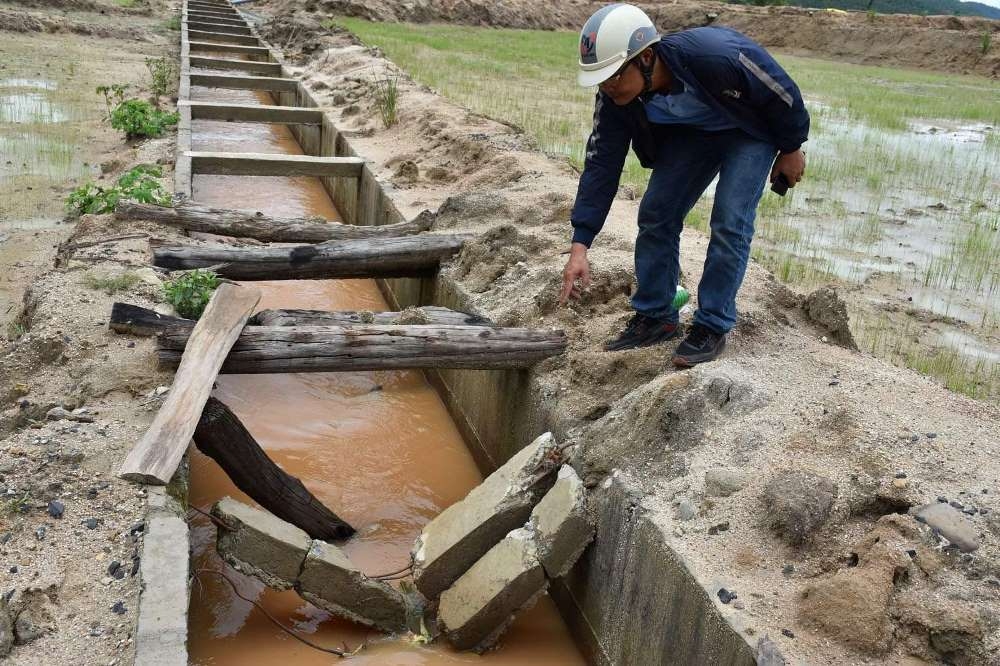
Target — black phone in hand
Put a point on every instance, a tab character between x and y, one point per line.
780	185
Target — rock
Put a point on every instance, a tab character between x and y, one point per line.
148	275
118	608
407	171
725	596
825	308
475	611
950	523
90	523
723	482
561	524
59	414
716	529
260	544
6	629
733	396
35	619
468	529
686	510
951	629
56	509
797	503
768	653
330	581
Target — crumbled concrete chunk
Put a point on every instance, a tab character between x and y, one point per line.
951	524
478	608
465	531
330	581
260	544
798	503
561	524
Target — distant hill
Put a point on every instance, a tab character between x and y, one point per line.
927	7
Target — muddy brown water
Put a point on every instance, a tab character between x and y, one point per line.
378	447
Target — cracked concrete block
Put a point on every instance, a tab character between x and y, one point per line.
465	531
561	524
260	544
329	580
478	608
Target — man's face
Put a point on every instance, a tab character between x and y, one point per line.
625	85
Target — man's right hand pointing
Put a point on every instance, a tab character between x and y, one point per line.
576	274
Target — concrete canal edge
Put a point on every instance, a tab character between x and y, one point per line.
631	599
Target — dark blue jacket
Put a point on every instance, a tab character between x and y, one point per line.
729	71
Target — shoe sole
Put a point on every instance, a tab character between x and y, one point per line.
691	361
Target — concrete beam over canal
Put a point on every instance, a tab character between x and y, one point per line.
265	164
253	113
260	53
239	82
207	26
226	39
199	17
209	14
249	66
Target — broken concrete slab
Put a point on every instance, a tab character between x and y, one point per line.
949	523
260	544
329	580
561	524
478	608
465	531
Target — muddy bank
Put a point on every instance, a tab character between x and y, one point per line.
715	457
944	43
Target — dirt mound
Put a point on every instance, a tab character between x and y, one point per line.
26	22
946	43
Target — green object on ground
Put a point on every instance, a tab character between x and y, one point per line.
681	297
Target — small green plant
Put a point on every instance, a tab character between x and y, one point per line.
174	23
111	284
15	329
871	15
386	99
114	95
138	119
162	73
190	293
986	41
138	184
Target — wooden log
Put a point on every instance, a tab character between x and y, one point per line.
282	349
428	315
155	457
227	222
242	82
409	256
272	164
137	320
222	437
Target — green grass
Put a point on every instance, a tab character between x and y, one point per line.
111	284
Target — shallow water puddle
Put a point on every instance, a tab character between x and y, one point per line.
378	447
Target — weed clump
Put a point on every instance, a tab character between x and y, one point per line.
162	73
114	94
111	284
140	119
386	99
138	184
190	293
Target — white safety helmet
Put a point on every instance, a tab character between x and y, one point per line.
611	37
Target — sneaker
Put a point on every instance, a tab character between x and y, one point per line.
643	331
701	344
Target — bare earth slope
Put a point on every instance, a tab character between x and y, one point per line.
945	43
785	473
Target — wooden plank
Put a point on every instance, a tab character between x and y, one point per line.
240	82
409	256
221	41
155	457
247	224
207	26
254	113
221	17
266	164
282	349
249	66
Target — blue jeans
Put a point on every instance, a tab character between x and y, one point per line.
688	161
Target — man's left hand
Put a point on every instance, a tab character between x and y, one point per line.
793	165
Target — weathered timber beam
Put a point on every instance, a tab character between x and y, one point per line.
252	51
254	113
240	82
273	164
409	256
222	437
208	26
220	41
281	349
427	315
266	68
155	457
227	222
223	17
137	320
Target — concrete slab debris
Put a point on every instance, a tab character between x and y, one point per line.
260	544
950	523
475	611
465	531
561	524
330	581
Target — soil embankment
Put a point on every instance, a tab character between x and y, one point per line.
943	43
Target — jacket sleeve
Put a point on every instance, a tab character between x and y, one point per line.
607	148
777	97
